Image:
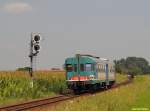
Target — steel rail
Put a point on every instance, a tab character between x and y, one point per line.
35	103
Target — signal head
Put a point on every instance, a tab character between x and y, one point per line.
36	47
37	38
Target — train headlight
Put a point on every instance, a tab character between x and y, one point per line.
92	76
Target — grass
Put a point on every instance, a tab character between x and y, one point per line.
17	86
120	78
131	97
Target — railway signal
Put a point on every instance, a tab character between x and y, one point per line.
36	38
34	49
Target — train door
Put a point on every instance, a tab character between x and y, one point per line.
101	72
107	73
96	70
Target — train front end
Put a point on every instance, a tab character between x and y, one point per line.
80	72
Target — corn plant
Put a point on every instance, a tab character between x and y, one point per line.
18	84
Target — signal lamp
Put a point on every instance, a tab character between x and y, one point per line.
36	47
37	38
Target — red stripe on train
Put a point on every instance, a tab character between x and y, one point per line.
80	77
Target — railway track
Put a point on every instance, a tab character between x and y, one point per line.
52	100
36	103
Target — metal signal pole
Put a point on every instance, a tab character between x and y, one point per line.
31	57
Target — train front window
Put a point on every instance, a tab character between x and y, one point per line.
82	67
69	68
88	67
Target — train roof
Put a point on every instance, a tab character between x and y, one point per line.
88	59
103	62
73	60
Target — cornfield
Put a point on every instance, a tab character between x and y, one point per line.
19	85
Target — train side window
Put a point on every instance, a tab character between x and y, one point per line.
69	67
104	68
99	68
93	67
82	67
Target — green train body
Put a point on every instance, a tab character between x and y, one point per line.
85	72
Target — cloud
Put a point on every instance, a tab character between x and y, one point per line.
17	7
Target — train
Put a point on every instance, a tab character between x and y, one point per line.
86	72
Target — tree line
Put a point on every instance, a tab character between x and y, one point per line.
132	65
129	65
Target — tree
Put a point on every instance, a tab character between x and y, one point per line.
136	65
23	69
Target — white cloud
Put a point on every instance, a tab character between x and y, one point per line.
17	7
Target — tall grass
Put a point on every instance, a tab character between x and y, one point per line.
126	98
17	85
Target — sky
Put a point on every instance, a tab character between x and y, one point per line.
106	28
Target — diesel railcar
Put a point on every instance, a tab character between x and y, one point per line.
87	72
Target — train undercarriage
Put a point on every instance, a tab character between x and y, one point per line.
90	86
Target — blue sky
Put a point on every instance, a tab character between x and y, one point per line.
106	28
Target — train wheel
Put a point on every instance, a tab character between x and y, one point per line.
76	91
93	88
